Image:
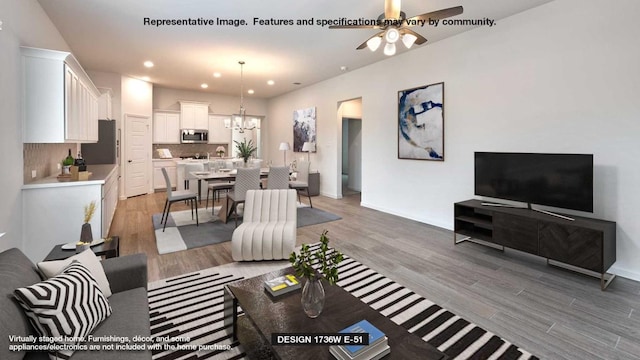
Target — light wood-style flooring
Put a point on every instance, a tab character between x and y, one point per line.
554	313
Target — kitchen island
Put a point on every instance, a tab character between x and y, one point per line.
53	210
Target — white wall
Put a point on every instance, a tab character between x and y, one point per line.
562	77
24	24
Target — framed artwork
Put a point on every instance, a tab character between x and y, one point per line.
421	123
304	127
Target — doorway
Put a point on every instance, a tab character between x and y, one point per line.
137	157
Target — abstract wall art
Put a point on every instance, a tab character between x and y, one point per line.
421	123
304	127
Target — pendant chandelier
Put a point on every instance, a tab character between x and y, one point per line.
240	122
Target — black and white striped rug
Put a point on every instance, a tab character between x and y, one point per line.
192	306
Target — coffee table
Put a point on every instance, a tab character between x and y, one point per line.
108	249
284	314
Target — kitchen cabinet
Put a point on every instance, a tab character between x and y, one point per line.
158	178
60	102
105	106
53	211
194	115
109	201
166	127
218	133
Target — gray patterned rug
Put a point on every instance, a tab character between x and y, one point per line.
192	305
182	233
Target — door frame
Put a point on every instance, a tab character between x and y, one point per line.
125	152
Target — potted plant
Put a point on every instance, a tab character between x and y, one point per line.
66	164
326	267
245	149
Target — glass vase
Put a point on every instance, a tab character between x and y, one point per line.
312	297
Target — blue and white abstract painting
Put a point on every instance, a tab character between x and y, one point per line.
421	123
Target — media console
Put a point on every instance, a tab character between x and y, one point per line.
584	242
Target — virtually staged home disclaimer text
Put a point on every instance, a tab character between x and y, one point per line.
317	22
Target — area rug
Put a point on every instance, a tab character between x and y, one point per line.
182	233
192	306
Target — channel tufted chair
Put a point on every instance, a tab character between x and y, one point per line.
268	229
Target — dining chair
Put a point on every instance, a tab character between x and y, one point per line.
301	183
278	177
216	187
188	169
174	196
246	179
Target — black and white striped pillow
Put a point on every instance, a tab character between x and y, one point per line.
70	304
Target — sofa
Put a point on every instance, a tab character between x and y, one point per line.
127	278
269	225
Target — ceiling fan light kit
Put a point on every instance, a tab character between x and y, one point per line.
395	26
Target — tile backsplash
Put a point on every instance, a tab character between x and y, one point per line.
178	150
44	159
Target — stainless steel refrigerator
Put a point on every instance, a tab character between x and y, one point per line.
105	151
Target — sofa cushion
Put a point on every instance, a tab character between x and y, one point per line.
87	258
69	304
16	270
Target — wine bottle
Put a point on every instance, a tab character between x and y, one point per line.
69	160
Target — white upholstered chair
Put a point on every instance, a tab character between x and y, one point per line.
301	183
268	229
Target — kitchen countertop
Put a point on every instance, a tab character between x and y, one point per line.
99	173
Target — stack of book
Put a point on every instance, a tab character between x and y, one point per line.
282	285
377	348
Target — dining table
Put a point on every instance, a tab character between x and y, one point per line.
220	174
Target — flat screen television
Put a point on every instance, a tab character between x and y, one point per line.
558	180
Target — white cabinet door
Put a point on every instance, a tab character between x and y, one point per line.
218	133
72	118
194	115
202	117
166	128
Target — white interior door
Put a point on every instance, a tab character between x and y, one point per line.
137	155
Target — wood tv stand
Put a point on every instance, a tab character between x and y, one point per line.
584	243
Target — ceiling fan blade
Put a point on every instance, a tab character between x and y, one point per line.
364	44
435	15
392	9
420	39
354	27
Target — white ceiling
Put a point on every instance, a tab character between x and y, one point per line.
109	35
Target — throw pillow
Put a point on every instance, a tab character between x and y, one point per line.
86	258
66	307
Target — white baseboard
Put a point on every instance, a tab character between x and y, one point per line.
406	216
629	274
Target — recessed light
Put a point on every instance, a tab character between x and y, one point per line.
145	78
217	75
343	68
148	64
270	82
250	91
204	86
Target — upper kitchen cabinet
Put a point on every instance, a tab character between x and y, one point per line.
60	102
194	115
105	108
166	127
218	133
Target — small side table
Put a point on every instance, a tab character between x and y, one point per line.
108	249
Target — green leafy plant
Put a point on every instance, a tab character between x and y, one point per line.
245	149
68	161
326	263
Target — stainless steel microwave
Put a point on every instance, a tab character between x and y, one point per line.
194	136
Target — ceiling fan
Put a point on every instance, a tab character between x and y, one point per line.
395	26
